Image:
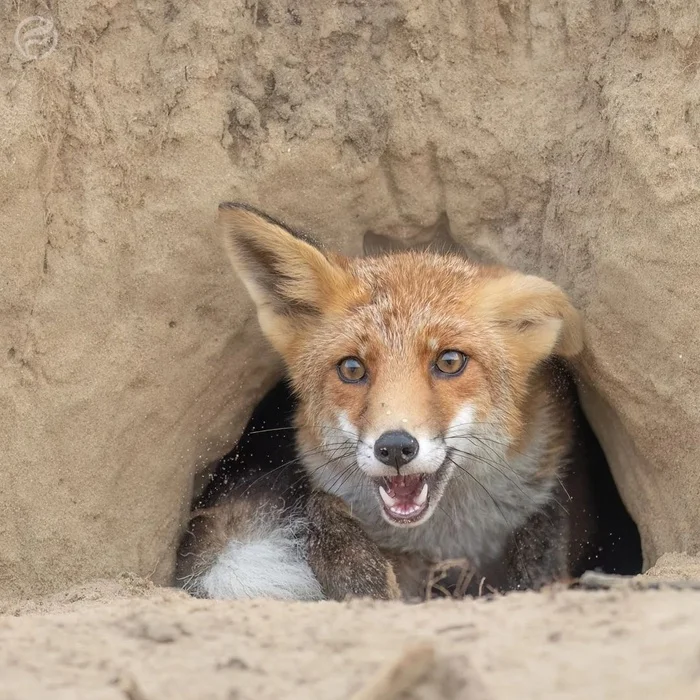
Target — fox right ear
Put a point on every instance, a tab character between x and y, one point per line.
289	280
538	315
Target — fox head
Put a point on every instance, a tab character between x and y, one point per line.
403	364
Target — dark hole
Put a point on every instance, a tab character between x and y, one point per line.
618	542
265	456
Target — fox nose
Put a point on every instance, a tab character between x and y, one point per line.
395	448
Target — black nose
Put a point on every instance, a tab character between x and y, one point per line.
395	448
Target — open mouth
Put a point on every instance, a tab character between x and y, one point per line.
405	498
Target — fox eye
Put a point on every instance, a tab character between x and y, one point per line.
351	370
451	362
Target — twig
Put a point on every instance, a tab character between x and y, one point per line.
441	569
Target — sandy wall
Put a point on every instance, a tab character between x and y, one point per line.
560	137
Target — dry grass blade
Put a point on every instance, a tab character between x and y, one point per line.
442	569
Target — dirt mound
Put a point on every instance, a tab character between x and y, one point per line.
99	641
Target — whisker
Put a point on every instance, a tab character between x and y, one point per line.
449	517
267	473
489	463
488	493
488	447
568	495
306	474
347	471
471	423
483	460
483	438
270	430
335	458
499	458
292	427
344	476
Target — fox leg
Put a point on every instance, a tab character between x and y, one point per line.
537	554
343	558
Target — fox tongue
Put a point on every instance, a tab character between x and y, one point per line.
404	488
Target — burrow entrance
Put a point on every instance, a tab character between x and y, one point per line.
266	451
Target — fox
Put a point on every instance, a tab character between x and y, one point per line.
434	423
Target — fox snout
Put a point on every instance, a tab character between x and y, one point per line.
399	452
396	448
408	474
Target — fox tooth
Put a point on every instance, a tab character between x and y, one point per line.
422	496
388	500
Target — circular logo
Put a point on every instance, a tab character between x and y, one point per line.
35	37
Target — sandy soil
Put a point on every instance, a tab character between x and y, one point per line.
559	137
128	639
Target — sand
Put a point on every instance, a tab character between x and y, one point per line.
559	137
132	641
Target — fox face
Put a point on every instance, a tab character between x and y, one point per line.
414	372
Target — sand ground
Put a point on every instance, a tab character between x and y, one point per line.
561	138
129	639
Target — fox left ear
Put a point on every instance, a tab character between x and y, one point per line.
538	312
290	280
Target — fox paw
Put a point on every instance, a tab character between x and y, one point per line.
346	562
